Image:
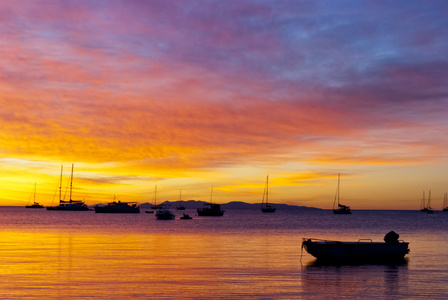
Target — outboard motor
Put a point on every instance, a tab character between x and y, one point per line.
391	237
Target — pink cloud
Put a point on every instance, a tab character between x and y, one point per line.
73	89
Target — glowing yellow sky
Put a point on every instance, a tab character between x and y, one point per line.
135	99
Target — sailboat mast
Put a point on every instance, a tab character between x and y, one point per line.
155	195
267	189
211	195
71	184
339	181
423	204
336	196
35	193
60	186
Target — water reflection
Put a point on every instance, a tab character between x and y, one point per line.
57	265
354	280
46	255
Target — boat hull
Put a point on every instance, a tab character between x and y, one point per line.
69	208
34	206
210	213
268	209
355	251
165	215
117	210
213	210
342	211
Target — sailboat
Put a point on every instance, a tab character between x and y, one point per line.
341	209
35	204
445	203
180	207
423	207
69	205
265	206
429	209
155	206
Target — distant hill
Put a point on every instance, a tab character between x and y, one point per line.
195	204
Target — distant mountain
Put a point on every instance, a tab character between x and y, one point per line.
195	204
244	205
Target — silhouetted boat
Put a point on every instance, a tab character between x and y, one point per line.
265	206
35	204
362	250
445	203
341	209
180	207
70	205
423	207
186	217
210	209
118	207
149	211
155	206
429	208
164	214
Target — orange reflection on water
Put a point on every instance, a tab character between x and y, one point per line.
54	265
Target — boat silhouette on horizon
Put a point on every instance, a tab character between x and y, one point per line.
163	213
69	205
210	209
181	206
341	209
35	204
265	206
118	207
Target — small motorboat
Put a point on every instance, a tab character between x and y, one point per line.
186	217
149	211
391	249
164	214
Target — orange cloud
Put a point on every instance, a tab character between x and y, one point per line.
133	102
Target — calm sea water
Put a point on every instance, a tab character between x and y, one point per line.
243	255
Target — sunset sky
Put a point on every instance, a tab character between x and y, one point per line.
187	95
